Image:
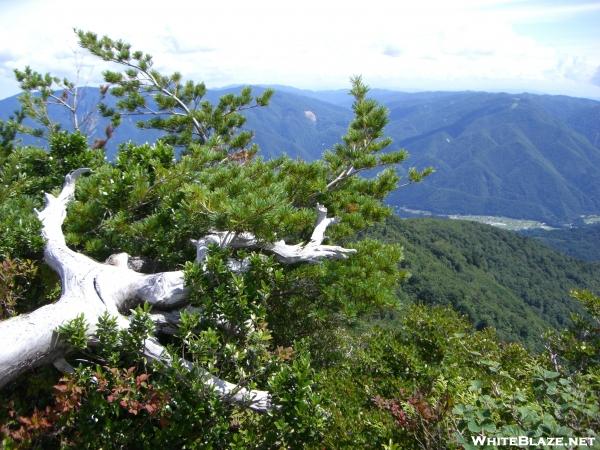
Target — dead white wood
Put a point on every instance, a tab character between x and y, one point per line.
257	400
346	173
311	252
90	288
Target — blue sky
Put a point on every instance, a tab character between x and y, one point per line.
550	46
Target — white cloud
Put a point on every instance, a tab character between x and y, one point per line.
310	43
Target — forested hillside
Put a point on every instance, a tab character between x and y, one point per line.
502	154
582	242
515	155
496	278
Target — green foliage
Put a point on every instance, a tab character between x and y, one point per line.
365	137
578	348
8	132
175	106
582	242
25	174
561	397
375	275
399	377
362	149
20	228
141	327
32	171
301	420
69	151
15	278
234	336
553	405
346	364
423	378
38	89
74	332
102	402
495	277
42	97
109	340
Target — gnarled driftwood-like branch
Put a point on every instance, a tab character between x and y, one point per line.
310	252
91	288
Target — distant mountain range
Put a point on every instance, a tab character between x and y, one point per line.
515	155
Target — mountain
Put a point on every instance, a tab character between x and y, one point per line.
520	156
515	155
340	97
297	125
495	277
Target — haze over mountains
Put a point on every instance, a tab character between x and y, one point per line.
515	155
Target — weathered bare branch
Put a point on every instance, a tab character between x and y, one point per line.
257	400
342	176
311	252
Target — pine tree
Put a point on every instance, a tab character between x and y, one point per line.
257	282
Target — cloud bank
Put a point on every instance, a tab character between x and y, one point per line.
465	44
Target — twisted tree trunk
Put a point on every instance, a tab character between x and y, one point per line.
92	288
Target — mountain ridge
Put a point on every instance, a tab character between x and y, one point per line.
524	156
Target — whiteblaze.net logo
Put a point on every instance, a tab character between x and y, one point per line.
526	441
